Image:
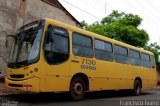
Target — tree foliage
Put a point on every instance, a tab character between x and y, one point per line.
123	27
120	26
122	18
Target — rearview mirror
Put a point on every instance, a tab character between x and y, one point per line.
7	39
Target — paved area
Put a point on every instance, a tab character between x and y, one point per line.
6	91
105	98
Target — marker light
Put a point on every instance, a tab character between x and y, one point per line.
31	72
36	69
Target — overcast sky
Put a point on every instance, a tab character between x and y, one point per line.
148	10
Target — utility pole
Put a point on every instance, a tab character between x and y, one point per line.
105	7
159	40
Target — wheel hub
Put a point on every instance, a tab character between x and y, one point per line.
78	88
138	89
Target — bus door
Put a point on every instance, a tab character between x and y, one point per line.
57	59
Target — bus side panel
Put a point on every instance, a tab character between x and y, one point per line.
106	76
113	76
151	81
145	74
57	77
61	83
123	75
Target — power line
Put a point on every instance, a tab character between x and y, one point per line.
82	10
146	17
146	9
144	13
141	12
151	5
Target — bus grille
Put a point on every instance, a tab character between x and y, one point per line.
17	76
15	85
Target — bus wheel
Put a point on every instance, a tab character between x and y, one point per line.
137	88
77	88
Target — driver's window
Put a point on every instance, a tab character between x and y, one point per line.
57	49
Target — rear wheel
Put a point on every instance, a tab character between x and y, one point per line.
137	87
77	88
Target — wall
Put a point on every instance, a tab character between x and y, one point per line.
8	14
15	13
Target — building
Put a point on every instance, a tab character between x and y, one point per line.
15	13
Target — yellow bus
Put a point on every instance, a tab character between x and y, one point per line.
50	56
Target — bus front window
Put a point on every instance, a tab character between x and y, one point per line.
26	48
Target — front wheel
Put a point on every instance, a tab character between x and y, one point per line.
77	88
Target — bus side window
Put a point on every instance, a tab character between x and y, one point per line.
134	57
152	61
145	58
103	50
82	45
121	54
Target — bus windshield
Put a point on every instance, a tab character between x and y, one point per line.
26	48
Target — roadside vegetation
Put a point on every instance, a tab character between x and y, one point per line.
125	28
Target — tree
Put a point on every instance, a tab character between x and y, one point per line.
122	27
125	19
84	25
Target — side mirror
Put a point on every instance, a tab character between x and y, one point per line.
9	36
49	37
8	39
50	32
4	59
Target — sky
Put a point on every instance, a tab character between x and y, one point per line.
94	10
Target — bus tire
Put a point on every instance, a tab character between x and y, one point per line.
137	87
77	88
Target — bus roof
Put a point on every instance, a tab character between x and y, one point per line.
94	35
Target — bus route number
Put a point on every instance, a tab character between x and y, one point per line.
88	64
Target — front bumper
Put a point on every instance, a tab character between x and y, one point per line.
31	84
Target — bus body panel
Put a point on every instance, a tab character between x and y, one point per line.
57	77
102	75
